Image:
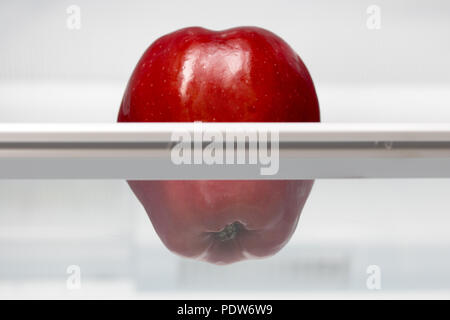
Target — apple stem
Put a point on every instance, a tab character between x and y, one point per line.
229	232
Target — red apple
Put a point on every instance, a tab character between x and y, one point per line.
244	74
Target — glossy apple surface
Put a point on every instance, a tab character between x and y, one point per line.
244	74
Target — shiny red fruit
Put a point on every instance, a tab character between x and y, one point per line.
244	74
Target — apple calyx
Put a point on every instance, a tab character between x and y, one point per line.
230	231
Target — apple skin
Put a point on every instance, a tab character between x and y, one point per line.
244	74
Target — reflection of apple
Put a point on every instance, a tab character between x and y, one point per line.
243	74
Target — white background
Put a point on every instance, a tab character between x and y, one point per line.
399	73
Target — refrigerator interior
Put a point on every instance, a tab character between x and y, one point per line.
52	72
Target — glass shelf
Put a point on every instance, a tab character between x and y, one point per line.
143	151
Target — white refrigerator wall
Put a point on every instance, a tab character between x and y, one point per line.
52	73
332	37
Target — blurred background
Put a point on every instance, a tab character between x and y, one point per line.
371	61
